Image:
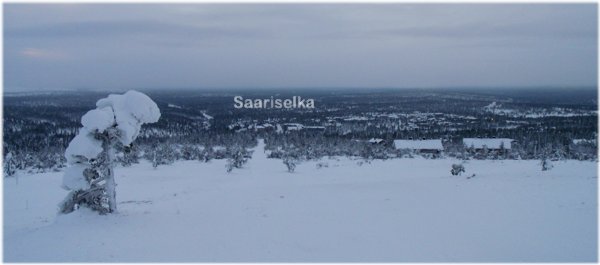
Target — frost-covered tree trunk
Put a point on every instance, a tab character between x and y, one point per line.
91	154
109	147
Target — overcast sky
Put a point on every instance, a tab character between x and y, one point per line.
120	46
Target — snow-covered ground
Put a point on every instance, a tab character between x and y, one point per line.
401	210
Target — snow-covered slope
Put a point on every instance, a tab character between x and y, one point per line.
393	211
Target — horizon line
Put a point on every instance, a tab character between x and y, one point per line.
291	88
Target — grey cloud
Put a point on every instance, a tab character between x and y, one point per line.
296	45
481	30
108	29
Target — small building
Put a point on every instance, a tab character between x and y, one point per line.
314	128
433	146
584	141
292	126
479	144
375	141
299	126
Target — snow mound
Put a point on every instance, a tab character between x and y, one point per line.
98	119
83	148
395	210
131	110
74	178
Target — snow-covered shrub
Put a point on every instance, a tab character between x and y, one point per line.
363	162
163	154
129	155
457	169
117	120
238	158
9	165
229	165
275	154
322	165
290	163
546	164
207	154
190	152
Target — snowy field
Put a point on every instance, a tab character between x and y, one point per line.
401	210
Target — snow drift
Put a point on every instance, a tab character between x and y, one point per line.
397	210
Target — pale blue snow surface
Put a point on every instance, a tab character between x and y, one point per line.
400	210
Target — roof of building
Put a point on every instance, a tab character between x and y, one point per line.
375	140
491	143
435	144
584	141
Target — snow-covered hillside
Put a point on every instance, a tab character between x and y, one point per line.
387	211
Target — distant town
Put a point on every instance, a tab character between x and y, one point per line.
379	124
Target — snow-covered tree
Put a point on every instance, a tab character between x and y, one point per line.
10	167
207	154
545	159
457	169
162	154
239	157
117	120
546	164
